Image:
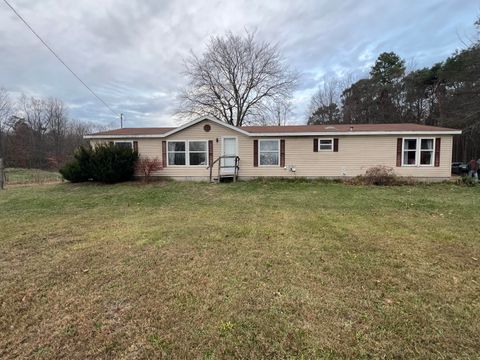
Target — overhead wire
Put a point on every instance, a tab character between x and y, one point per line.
60	59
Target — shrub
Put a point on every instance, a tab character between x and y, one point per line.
377	175
72	172
80	169
105	163
112	164
147	166
467	181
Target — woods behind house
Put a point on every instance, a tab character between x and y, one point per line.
445	94
38	133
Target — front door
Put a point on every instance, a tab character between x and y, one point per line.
229	149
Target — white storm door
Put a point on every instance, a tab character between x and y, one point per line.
229	149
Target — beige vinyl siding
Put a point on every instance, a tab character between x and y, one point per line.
355	155
196	132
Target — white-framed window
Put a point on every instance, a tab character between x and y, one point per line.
269	152
325	144
409	152
197	153
427	152
177	153
187	153
127	144
418	151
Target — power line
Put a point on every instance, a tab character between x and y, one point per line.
59	59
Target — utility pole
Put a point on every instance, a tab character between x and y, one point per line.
121	121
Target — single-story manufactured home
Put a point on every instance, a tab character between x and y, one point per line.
206	148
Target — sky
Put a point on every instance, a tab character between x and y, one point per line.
131	53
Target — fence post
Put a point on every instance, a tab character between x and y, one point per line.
2	174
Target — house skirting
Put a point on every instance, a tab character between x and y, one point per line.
246	178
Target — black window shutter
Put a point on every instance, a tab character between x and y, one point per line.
335	145
399	152
437	151
164	153
282	153
135	146
255	153
210	152
315	145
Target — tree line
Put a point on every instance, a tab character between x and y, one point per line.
242	81
445	94
37	132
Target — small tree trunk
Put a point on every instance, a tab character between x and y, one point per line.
2	174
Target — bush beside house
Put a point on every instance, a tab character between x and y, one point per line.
79	169
105	163
379	176
146	166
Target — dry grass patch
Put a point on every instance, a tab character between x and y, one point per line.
245	270
19	176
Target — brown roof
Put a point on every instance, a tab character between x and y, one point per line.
342	128
136	131
292	129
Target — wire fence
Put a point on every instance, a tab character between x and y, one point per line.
16	176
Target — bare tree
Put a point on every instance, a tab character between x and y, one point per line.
235	79
5	106
76	130
5	113
325	105
36	118
276	113
38	133
34	112
328	92
57	129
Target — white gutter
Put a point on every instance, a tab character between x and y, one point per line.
93	136
353	133
280	134
323	133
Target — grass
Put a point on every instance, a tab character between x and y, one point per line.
17	176
257	269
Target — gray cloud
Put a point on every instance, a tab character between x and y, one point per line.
131	52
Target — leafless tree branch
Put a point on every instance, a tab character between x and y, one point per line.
236	80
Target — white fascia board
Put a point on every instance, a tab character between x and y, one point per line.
171	132
357	133
329	133
209	118
93	136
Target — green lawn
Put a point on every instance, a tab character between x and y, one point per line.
17	176
248	270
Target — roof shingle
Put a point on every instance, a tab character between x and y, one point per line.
136	131
291	129
343	128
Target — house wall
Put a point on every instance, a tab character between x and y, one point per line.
355	155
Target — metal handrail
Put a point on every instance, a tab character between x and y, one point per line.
236	167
